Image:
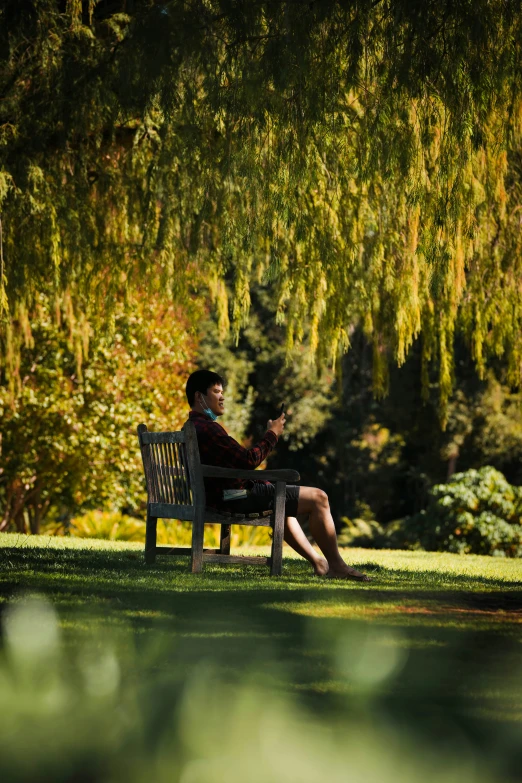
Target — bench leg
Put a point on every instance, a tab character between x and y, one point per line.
276	561
198	528
150	539
224	543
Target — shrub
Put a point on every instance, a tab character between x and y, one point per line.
115	526
359	532
68	439
477	512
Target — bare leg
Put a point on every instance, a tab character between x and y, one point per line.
314	502
295	537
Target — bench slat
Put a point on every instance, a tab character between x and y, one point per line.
212	471
238	559
240	520
171	511
186	514
162	437
180	550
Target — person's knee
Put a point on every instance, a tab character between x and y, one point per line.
321	498
312	499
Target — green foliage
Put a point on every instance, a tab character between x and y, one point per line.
485	426
69	435
111	526
363	156
378	458
261	374
477	512
359	532
115	526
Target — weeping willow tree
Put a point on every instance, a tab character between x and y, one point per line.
361	157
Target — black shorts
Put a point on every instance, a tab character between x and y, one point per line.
261	498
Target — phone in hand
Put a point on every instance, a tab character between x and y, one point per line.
281	410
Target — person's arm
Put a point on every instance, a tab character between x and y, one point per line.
223	450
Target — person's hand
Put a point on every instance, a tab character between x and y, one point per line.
277	425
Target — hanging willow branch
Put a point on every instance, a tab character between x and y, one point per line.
361	158
3	296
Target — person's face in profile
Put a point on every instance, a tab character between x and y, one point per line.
214	399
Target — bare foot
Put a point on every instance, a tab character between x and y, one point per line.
321	567
348	573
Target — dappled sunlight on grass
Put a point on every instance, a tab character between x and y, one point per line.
496	568
505	622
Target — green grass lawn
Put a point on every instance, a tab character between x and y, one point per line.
150	672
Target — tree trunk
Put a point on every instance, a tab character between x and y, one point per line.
452	464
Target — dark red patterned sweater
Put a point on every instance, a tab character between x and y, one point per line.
216	447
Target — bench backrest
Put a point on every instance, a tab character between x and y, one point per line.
172	468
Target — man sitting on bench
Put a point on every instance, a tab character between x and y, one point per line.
206	399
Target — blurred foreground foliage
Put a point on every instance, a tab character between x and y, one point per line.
199	728
68	432
120	671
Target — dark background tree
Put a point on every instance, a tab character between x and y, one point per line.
377	459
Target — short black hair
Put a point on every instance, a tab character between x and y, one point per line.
201	381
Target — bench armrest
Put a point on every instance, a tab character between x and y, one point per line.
289	476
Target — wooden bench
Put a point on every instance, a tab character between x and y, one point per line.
175	488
